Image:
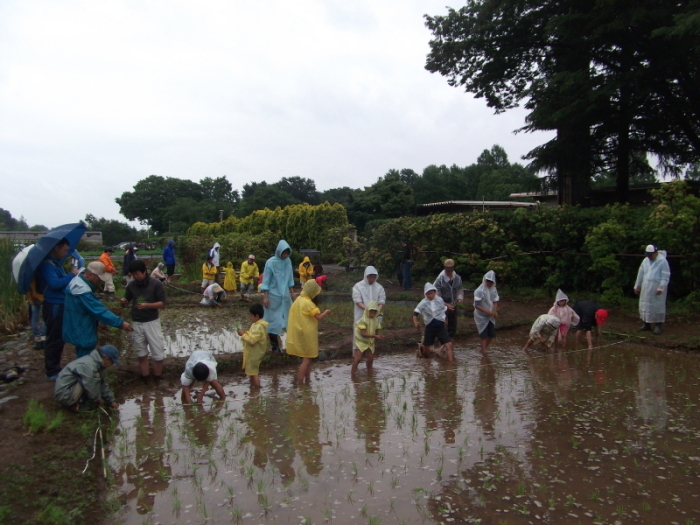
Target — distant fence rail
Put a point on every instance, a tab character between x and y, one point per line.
30	237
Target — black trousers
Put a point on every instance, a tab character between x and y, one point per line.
53	346
451	323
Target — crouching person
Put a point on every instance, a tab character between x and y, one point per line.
201	366
544	331
82	381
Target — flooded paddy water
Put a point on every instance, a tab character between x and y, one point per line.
602	436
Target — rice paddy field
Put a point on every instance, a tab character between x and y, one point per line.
603	436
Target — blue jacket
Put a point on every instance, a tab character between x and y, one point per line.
169	253
82	312
51	280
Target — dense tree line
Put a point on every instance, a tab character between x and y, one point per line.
9	223
172	205
616	80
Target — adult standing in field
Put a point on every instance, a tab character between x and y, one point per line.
169	259
449	287
147	296
83	310
215	258
51	281
486	309
249	275
110	270
129	257
278	292
406	264
652	287
363	293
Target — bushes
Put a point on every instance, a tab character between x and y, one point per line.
322	227
564	247
12	305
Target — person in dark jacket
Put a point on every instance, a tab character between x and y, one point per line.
83	310
129	257
82	381
51	282
406	264
169	259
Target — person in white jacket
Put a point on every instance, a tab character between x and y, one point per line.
363	293
652	288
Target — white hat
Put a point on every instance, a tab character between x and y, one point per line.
251	256
98	269
651	249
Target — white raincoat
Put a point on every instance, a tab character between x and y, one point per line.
215	254
653	276
363	292
545	326
485	297
431	310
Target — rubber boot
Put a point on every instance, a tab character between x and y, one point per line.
645	327
657	330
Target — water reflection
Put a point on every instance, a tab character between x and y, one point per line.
503	438
370	418
485	399
148	474
651	393
266	421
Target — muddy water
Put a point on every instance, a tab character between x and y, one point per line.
608	436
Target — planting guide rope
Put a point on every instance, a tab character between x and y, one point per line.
386	393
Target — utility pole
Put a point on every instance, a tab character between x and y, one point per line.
221	215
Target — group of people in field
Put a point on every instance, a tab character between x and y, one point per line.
72	312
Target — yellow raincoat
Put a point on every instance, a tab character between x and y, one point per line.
306	270
369	326
209	272
230	279
255	345
302	325
249	272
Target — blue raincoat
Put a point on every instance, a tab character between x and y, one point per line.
169	252
82	312
279	278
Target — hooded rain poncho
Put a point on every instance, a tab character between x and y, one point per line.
653	276
215	253
363	292
306	270
368	325
434	310
545	326
230	279
485	297
302	332
255	346
279	278
169	252
565	314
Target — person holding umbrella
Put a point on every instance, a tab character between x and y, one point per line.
41	266
51	280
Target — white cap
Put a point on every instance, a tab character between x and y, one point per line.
251	256
650	249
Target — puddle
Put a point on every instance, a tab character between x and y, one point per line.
197	334
608	436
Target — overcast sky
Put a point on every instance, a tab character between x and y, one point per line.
95	96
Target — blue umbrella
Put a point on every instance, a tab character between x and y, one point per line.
28	260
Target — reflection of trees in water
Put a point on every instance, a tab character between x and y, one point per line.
651	395
266	419
553	373
440	402
149	474
304	424
370	419
485	400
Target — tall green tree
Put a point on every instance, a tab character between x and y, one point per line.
610	78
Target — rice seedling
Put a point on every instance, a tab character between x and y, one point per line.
37	419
